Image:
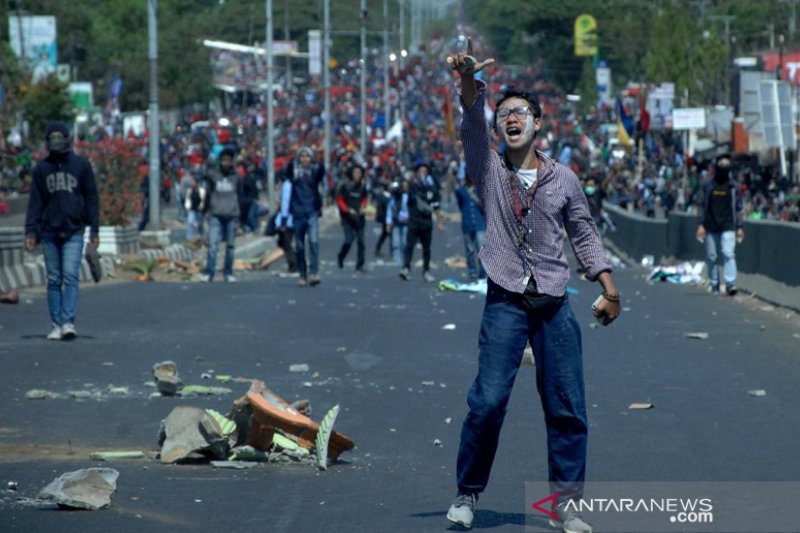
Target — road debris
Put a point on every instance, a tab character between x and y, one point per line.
324	436
88	488
165	374
642	405
757	392
701	335
113	455
299	368
41	394
203	390
192	433
449	327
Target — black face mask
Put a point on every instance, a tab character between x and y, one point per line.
721	174
59	146
225	169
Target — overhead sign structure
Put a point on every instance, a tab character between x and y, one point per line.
776	113
585	36
688	118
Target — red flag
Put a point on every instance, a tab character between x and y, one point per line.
644	116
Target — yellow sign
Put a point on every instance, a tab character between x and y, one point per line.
585	36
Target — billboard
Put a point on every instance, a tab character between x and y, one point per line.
33	39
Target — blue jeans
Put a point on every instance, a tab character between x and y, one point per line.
399	238
473	240
194	218
62	259
726	242
555	336
217	228
302	227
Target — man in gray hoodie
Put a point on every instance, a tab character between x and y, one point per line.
223	211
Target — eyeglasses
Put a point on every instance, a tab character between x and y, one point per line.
520	112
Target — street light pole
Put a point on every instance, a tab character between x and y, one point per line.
326	80
363	108
270	140
154	149
386	108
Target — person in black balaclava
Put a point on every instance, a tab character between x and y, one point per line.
63	201
223	211
719	223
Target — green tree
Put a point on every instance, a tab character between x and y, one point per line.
45	101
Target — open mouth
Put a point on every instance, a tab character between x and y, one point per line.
513	133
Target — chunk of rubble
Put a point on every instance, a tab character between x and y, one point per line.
261	414
112	455
88	488
166	377
203	390
192	433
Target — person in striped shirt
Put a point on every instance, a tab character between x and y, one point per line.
530	201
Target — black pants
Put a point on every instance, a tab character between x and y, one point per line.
384	235
353	232
424	236
285	239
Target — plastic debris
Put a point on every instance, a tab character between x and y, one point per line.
642	405
757	392
298	368
203	390
88	488
234	465
110	456
685	272
478	287
697	335
324	435
41	394
122	391
449	327
437	443
227	426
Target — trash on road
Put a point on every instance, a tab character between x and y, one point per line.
757	392
437	443
234	465
203	390
682	273
192	433
41	394
642	405
165	374
701	335
449	327
456	261
478	287
324	436
113	455
298	368
88	488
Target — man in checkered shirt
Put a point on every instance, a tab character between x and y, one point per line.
529	200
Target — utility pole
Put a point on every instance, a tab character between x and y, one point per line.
270	139
287	38
154	148
386	107
726	19
326	81
363	109
401	78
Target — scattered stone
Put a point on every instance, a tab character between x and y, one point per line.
205	375
122	391
429	383
449	327
88	488
248	453
437	443
165	374
448	420
299	368
80	394
12	485
697	335
189	432
757	392
110	456
762	327
643	405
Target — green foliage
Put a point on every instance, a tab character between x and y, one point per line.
587	87
46	101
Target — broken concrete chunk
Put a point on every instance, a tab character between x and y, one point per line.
324	435
165	374
110	456
88	488
189	431
641	405
298	368
248	453
757	392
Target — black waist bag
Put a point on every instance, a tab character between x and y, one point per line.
532	300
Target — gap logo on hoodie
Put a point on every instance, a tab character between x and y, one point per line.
61	181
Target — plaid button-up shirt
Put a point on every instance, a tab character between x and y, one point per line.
558	204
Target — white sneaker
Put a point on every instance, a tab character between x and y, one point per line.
68	331
428	277
55	333
204	278
462	509
230	279
570	521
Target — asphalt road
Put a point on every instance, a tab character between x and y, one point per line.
374	344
